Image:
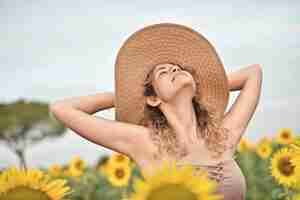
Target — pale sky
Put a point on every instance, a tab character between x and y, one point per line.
55	49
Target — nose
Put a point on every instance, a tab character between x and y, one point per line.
175	68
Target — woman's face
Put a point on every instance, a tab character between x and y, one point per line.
170	80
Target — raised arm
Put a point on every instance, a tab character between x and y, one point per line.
76	114
249	81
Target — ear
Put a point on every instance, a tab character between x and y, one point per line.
153	101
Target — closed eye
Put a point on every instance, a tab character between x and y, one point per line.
163	72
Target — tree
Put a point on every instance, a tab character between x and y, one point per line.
24	123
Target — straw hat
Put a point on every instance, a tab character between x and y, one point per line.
163	43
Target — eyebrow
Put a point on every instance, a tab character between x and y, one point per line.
163	67
160	68
157	70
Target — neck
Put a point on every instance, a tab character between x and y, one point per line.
181	117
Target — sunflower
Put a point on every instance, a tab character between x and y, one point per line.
296	147
76	167
55	170
296	160
245	145
296	144
285	136
19	184
74	172
118	174
118	158
169	182
282	167
264	149
77	163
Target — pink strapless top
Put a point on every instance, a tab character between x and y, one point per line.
231	181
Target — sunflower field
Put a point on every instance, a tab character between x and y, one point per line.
271	168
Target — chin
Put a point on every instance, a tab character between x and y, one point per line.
187	90
186	84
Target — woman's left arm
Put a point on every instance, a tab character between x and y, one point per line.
249	81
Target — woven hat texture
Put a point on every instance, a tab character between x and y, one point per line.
164	43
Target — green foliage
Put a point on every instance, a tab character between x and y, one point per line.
93	185
260	183
24	123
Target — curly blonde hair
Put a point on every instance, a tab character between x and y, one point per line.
209	127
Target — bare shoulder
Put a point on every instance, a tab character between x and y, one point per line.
146	150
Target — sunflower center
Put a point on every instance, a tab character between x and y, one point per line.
285	166
79	165
21	193
285	135
172	191
119	173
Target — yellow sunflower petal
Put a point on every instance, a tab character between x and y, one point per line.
30	184
282	168
170	182
118	175
118	159
264	149
285	136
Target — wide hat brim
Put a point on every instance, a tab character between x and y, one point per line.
164	43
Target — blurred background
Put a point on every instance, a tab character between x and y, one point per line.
56	49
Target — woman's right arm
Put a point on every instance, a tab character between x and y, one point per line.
75	113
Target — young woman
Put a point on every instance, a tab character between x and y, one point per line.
177	125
